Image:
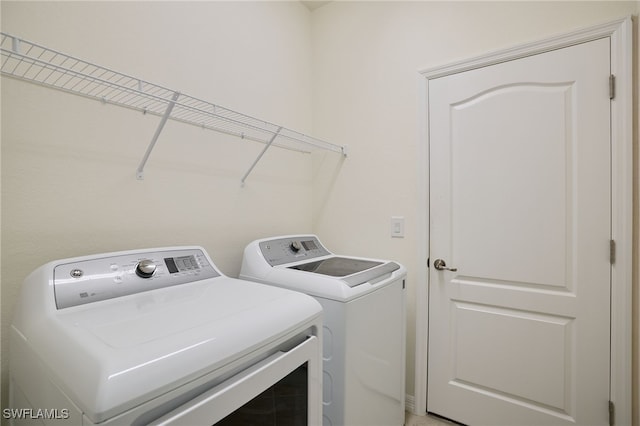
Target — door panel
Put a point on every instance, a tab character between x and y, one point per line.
485	229
542	351
520	205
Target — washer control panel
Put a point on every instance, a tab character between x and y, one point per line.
102	278
292	249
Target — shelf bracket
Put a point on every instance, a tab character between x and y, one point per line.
15	45
163	121
275	135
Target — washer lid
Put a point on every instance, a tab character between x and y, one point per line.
353	271
337	266
112	355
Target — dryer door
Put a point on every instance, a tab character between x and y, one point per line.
234	401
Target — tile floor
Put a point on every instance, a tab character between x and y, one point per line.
413	420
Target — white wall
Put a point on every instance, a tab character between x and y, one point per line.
68	163
366	58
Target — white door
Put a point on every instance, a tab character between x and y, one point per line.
520	205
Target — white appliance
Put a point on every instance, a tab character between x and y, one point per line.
161	337
364	323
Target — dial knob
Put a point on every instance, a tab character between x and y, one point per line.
145	268
295	246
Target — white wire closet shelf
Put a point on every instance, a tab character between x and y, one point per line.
32	62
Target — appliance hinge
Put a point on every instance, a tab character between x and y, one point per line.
612	86
612	251
611	413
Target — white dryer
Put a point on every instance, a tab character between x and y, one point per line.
364	323
160	337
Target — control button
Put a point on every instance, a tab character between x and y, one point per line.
145	268
76	273
295	246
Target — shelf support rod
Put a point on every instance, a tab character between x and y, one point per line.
275	135
163	121
15	44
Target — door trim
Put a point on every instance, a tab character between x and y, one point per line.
620	34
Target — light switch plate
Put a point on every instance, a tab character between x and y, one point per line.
397	226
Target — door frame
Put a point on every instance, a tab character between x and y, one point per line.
620	33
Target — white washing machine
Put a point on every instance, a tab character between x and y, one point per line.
161	337
364	324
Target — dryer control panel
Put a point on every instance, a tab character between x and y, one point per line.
100	278
292	249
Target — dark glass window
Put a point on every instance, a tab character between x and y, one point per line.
283	404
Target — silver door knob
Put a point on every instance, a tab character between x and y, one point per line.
441	265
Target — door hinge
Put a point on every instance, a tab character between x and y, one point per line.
612	86
612	252
612	412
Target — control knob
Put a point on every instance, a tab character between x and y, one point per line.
295	246
145	268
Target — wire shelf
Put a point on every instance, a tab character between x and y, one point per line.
35	63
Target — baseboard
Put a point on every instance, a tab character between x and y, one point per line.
410	404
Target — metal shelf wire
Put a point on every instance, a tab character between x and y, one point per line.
35	63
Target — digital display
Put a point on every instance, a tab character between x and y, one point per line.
183	263
171	265
309	245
